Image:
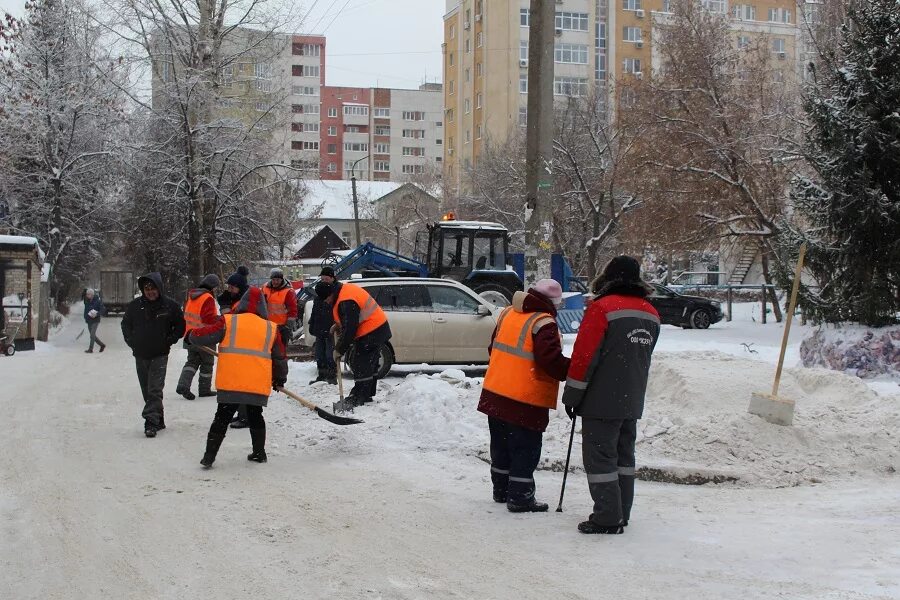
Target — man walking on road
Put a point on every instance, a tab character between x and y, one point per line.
606	385
199	311
521	385
251	363
364	327
93	312
152	324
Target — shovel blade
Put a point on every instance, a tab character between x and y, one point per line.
336	419
774	409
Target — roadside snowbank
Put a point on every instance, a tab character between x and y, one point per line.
862	351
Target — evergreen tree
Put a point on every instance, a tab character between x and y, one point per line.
848	212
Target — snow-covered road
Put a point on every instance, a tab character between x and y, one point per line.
89	508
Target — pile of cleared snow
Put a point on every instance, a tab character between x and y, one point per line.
857	350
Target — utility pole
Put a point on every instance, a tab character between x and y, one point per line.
539	141
355	200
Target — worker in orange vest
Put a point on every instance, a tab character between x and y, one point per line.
363	326
199	311
281	302
251	362
521	385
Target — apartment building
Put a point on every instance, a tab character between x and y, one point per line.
304	59
598	42
381	134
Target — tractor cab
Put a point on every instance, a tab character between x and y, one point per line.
475	253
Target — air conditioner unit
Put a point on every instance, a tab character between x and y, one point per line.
559	32
478	18
781	55
523	64
639	13
467	25
638	75
639	44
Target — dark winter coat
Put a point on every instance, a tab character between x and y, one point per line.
151	328
611	359
94	303
548	356
348	312
321	319
252	302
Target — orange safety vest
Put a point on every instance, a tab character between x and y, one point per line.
245	355
275	303
512	371
192	312
371	317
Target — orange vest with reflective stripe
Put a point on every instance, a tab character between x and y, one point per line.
245	355
371	317
192	312
275	303
512	370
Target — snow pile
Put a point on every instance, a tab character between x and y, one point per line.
860	351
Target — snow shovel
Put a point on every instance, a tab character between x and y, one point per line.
78	337
319	411
771	407
562	490
341	404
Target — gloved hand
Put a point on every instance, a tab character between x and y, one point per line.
278	384
292	325
570	410
92	313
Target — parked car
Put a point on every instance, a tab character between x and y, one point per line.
690	312
432	321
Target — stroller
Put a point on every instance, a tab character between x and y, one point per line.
7	342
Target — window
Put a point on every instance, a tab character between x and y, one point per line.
345	235
304	90
601	67
479	70
574	53
413	115
438	142
297	108
667	6
310	109
466	106
631	65
306	49
523	50
446	299
382	148
400	298
632	5
453	32
468	46
351	128
570	86
356	147
382	166
523	116
778	45
310	145
451	59
227	74
478	98
743	42
355	110
416	134
478	132
450	87
382	112
523	83
468	136
332	148
779	15
332	112
310	70
714	6
332	130
523	17
479	39
305	165
408	151
743	12
311	127
631	34
262	71
570	21
261	107
488	252
413	169
467	77
332	167
382	130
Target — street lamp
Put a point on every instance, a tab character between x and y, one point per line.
355	201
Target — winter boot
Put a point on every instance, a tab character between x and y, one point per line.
88	351
591	527
532	506
186	393
500	496
208	394
213	442
150	429
320	376
102	347
258	439
239	424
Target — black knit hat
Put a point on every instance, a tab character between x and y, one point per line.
327	272
622	268
239	279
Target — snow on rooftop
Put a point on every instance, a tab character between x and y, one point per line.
336	197
22	240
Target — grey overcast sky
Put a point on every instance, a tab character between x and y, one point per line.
386	43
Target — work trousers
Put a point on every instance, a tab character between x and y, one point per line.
608	452
92	331
364	365
151	374
324	348
515	453
197	359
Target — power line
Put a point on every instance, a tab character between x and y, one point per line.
324	14
330	23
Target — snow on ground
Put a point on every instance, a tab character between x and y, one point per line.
399	507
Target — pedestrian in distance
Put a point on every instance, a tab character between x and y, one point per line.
362	326
281	302
251	363
521	385
152	324
321	320
199	311
606	384
93	312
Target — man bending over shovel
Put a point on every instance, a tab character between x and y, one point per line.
251	362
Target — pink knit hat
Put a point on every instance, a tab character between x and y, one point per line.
549	288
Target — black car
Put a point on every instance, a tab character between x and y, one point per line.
690	312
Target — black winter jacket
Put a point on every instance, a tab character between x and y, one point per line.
151	328
321	319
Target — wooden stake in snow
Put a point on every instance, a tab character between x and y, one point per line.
771	407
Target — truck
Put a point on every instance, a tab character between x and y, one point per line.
117	289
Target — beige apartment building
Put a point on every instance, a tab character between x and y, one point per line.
598	43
